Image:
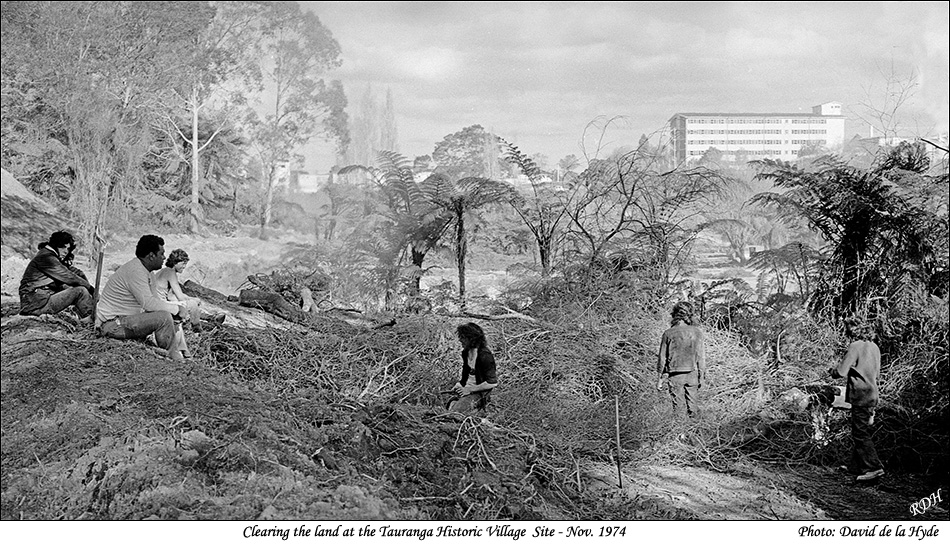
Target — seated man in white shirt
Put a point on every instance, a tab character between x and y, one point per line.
129	306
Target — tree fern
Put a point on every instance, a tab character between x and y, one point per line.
885	235
460	199
543	213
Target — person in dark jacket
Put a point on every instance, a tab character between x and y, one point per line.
862	367
478	362
51	284
682	359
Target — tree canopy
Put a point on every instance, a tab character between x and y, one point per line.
107	105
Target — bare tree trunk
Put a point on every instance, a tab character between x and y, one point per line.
418	256
461	249
268	201
335	206
544	252
195	166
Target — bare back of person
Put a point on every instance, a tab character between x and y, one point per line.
163	283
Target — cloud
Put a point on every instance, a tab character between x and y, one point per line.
543	70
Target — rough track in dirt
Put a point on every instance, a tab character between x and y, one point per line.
837	493
710	495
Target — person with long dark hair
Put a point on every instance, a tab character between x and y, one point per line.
478	362
50	283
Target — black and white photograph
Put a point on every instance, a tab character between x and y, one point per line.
449	271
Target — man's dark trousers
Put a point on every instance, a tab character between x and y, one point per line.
864	455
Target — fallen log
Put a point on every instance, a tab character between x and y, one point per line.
273	303
237	316
356	318
194	289
216	303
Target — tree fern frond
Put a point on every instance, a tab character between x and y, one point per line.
481	191
355	168
516	157
438	188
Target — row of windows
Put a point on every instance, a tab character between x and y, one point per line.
741	141
752	152
752	142
735	131
809	131
737	142
729	121
760	121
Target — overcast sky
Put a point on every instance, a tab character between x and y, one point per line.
537	73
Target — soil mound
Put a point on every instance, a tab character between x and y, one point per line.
96	428
27	219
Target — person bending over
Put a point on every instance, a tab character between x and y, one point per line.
478	362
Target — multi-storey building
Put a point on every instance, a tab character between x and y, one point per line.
747	136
